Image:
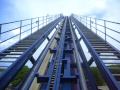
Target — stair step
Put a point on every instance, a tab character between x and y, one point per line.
110	58
117	76
103	46
8	57
106	51
93	41
112	63
2	66
99	45
17	49
7	61
10	54
14	50
22	45
109	55
5	64
114	67
26	44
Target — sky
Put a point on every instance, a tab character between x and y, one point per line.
11	10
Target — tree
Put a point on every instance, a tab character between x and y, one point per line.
20	76
98	77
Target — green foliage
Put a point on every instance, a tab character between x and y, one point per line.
116	70
98	77
20	76
1	69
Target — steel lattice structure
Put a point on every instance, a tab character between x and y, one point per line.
62	63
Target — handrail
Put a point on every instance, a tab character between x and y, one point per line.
91	23
103	25
22	26
97	19
20	20
110	80
20	62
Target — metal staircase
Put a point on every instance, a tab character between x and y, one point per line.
102	53
63	63
22	51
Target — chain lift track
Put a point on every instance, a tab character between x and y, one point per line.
62	64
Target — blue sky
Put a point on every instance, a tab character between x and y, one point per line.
11	10
19	9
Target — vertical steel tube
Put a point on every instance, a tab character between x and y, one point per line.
105	29
20	29
43	20
80	19
86	21
38	23
90	24
96	25
31	25
0	29
46	20
0	32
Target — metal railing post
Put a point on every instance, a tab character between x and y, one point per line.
96	25
38	23
20	29
31	25
90	24
43	20
105	29
86	21
0	29
0	32
52	18
46	19
80	19
49	18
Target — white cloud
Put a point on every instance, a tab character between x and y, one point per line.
100	4
43	7
112	10
31	8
